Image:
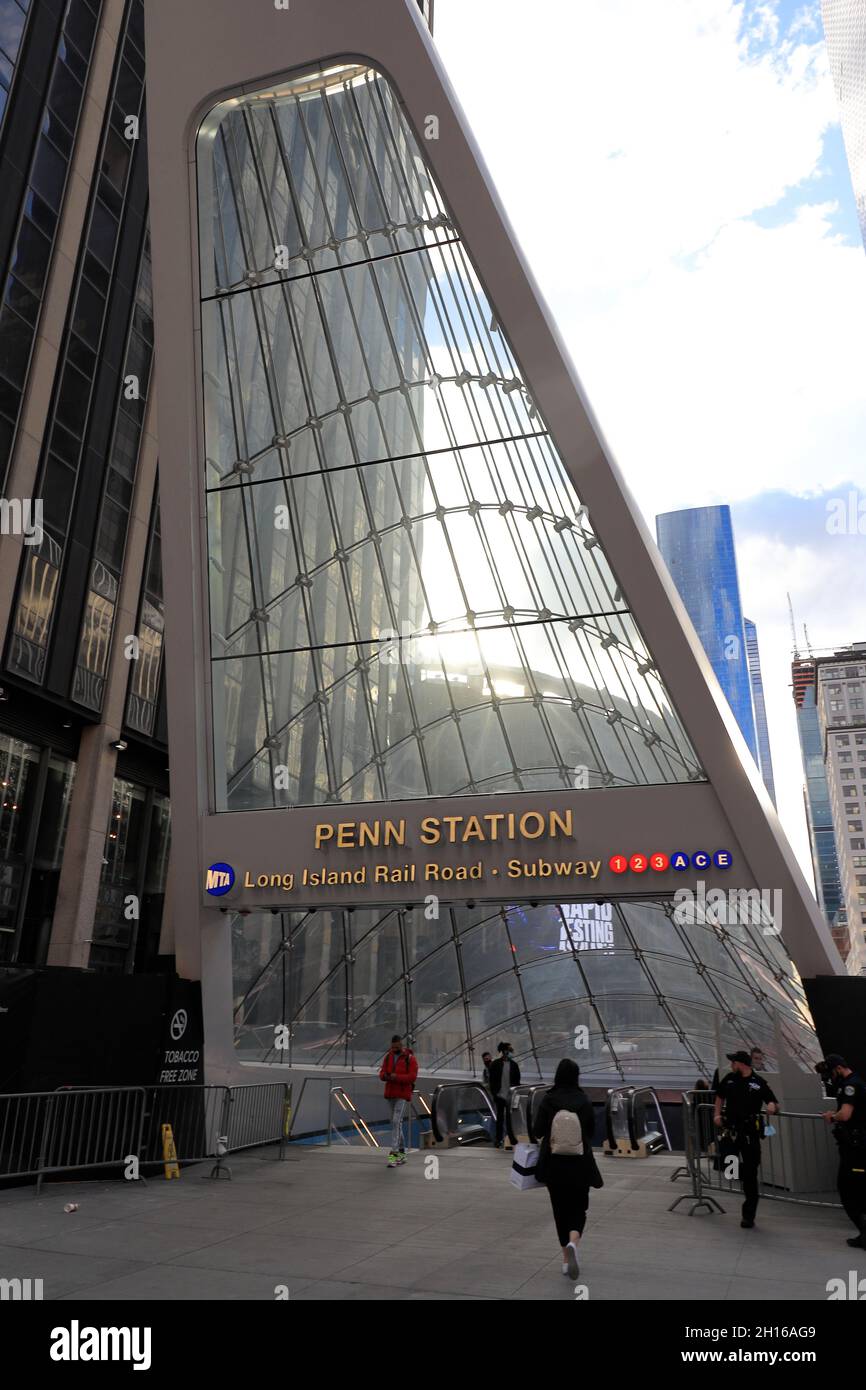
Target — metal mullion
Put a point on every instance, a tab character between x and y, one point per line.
360	222
536	695
660	996
586	650
450	341
313	164
235	157
457	947
464	274
391	156
372	463
382	121
628	691
460	299
335	367
657	708
264	184
363	489
223	198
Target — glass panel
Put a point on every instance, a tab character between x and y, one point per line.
368	430
342	720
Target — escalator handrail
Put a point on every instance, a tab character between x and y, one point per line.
632	1101
451	1086
530	1090
623	1092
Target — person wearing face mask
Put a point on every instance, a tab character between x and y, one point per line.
504	1076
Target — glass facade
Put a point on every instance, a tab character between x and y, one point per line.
13	21
762	732
407	599
647	989
845	33
33	245
697	545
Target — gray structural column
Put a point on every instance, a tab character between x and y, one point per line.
84	850
43	366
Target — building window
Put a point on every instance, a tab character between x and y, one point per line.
855	825
132	887
35	793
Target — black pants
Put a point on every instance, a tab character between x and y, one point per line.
570	1201
851	1183
503	1117
748	1151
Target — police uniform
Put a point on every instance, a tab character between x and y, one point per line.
851	1138
743	1098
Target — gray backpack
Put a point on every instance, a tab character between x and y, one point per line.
566	1135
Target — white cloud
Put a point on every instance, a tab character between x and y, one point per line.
631	143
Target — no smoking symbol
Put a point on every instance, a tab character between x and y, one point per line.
178	1025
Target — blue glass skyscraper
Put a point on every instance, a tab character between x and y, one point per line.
697	544
765	761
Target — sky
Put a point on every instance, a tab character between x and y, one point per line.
676	175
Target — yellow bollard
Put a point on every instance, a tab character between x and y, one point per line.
169	1153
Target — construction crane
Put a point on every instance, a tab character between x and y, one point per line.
793	629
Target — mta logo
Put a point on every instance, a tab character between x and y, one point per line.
219	879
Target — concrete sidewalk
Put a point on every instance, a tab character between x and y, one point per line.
337	1224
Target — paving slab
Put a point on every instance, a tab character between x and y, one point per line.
337	1224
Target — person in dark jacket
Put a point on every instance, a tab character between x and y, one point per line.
567	1178
504	1076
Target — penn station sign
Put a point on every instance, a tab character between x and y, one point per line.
546	848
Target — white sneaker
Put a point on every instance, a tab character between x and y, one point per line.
572	1268
565	1269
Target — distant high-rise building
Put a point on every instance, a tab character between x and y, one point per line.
841	703
697	544
845	32
765	760
816	794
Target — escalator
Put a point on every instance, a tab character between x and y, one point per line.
462	1113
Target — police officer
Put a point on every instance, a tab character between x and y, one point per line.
849	1119
741	1095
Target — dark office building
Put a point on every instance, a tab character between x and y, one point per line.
84	821
84	816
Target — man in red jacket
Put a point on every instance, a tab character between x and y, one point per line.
398	1071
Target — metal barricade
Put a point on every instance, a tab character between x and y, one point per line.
68	1131
76	1129
195	1114
799	1159
257	1114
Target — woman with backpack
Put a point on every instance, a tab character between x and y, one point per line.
564	1126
